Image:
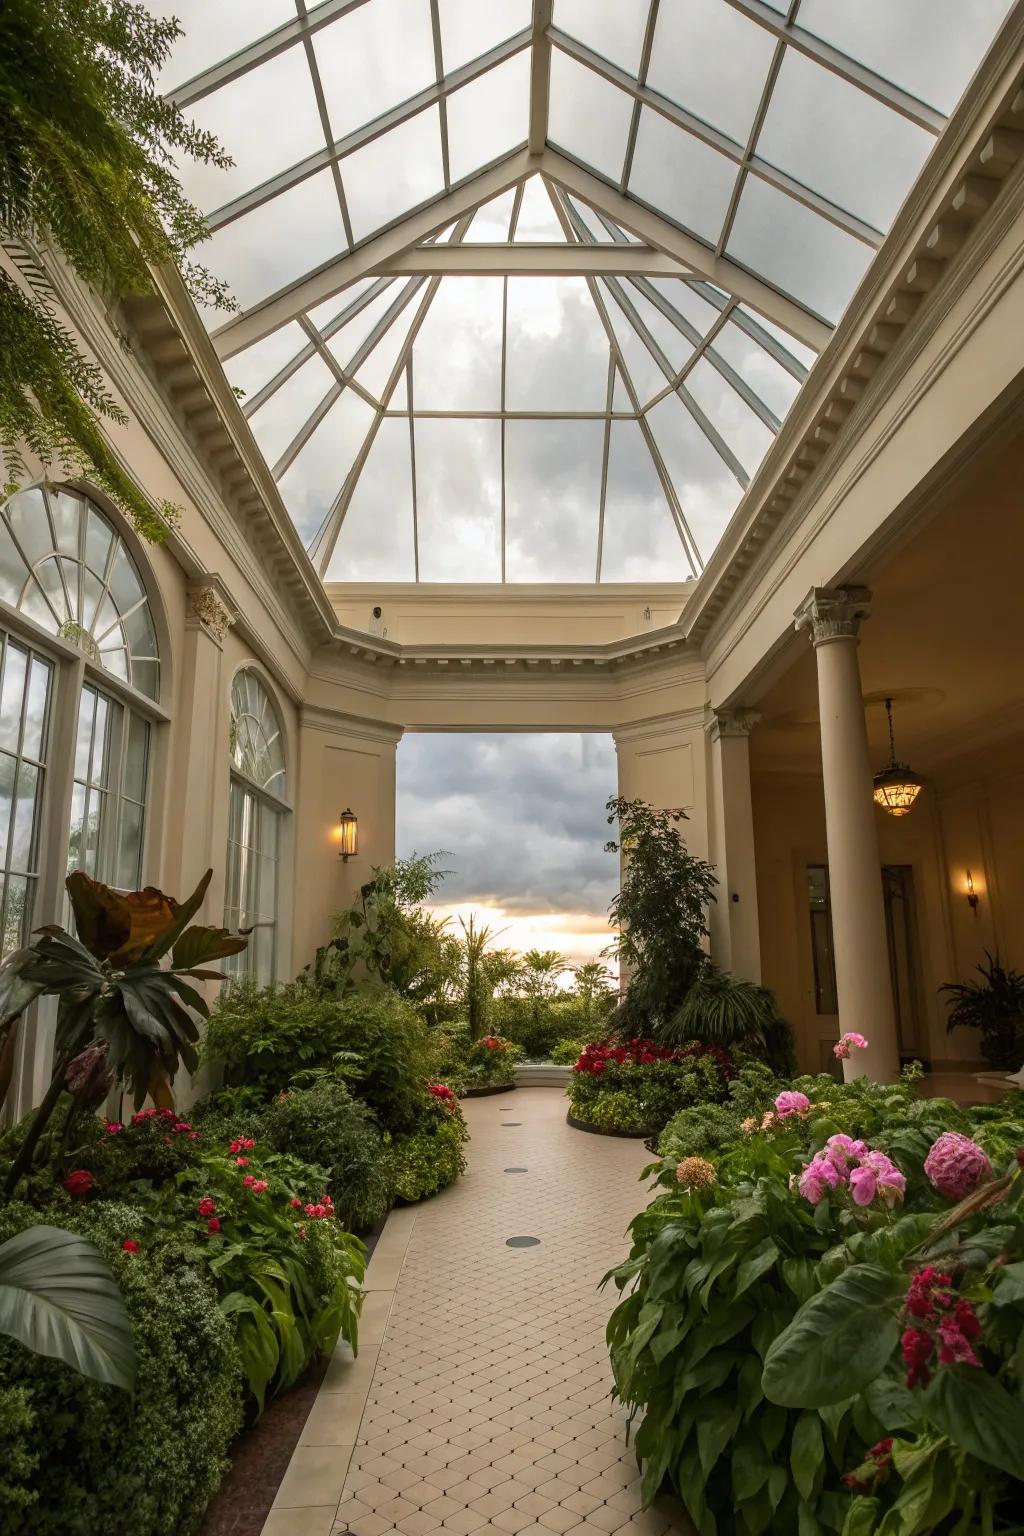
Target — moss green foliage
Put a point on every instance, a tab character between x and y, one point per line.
21	1451
87	158
325	1125
430	1158
727	1257
100	1457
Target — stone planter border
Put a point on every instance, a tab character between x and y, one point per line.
483	1093
601	1130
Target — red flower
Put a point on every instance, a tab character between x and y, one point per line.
142	1115
296	1205
916	1346
258	1186
242	1162
213	1225
112	1127
882	1451
249	1180
79	1182
206	1206
130	1245
167	1114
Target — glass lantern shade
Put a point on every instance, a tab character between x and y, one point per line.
896	788
348	834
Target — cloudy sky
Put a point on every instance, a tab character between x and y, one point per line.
522	820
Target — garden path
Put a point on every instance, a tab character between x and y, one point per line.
480	1398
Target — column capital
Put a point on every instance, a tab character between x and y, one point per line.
833	613
209	607
729	722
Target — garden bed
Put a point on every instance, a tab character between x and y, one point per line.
605	1130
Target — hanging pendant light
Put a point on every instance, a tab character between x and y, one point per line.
897	786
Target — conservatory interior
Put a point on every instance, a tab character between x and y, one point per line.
651	369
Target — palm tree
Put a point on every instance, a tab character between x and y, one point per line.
541	970
592	982
479	987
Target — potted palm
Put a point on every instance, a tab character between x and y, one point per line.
995	1007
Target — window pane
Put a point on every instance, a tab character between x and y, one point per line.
767	378
610	28
375	542
276	423
680	176
469	29
488	117
553	492
393	174
640	538
536	221
491	222
277	242
712	61
457	353
372	59
12	694
129	861
588	116
557	346
215	32
797	250
707	490
37	708
17	913
134	779
458	505
730	415
248	371
312	483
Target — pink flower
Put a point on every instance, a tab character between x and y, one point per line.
78	1183
112	1127
792	1103
296	1205
842	1150
955	1164
877	1176
258	1186
183	1125
821	1174
129	1245
213	1225
206	1206
249	1180
851	1038
242	1162
954	1345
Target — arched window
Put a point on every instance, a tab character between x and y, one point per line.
256	824
64	566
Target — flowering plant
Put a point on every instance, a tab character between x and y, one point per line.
635	1086
842	1047
845	1163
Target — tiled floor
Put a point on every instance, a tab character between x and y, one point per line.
488	1405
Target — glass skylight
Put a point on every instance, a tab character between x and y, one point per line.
477	340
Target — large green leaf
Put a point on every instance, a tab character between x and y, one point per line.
838	1342
197	945
16	990
59	1298
978	1413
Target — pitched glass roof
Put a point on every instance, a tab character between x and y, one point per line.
527	288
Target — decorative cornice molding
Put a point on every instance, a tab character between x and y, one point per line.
353	726
833	613
209	607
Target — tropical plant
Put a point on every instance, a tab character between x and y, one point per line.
431	1157
660	911
113	993
724	1010
390	940
995	1007
58	1298
477	976
88	148
593	989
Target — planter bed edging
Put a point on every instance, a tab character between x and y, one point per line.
483	1093
601	1130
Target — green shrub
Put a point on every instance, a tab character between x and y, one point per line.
538	1024
325	1125
655	1082
430	1158
491	1062
566	1053
109	1460
450	1045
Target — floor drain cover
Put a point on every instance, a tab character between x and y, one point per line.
511	1122
515	1170
521	1242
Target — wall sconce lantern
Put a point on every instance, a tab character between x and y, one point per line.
897	786
348	835
972	896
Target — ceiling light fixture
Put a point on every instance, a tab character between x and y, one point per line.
897	786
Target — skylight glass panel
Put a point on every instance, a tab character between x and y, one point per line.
676	347
798	349
458	499
279	241
276	423
600	235
379	366
641	541
588	117
260	142
345	343
928	47
840	141
767	378
372	59
393	173
536	222
457	353
608	27
324	313
491	222
797	250
312	482
741	430
489	117
620	395
376	538
557	348
215	32
248	371
707	490
688	302
645	375
470	28
552	499
711	61
680	176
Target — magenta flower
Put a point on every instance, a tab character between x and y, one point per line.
877	1175
820	1175
851	1038
842	1150
790	1102
955	1164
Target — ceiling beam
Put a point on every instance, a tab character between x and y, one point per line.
340	273
655	231
540	76
532	260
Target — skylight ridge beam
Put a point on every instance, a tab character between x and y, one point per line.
320	159
337	273
540	76
656	230
486	259
841	64
729	148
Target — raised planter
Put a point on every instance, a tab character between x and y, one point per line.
542	1074
603	1130
483	1093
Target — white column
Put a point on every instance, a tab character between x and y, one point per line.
735	936
833	616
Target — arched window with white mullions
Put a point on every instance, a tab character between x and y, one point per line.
257	824
64	565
